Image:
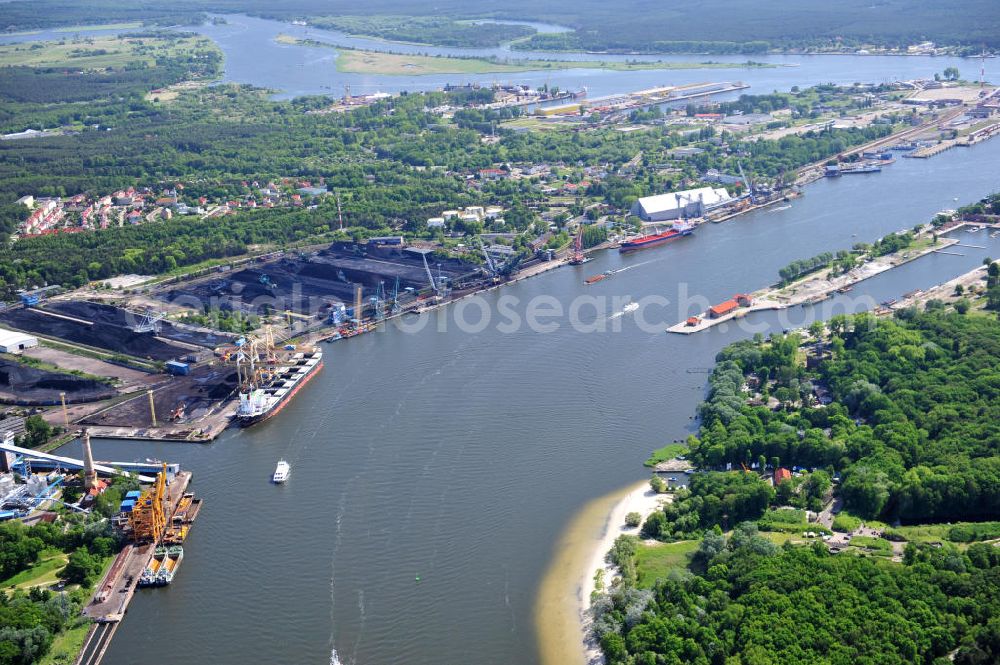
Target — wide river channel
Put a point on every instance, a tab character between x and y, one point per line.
435	468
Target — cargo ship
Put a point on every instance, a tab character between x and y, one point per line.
594	279
270	390
655	239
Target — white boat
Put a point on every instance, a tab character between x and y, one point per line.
281	472
631	307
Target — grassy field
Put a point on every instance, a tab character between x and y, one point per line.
96	52
67	645
394	64
46	573
669	451
102	26
655	561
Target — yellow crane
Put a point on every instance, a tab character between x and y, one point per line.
147	519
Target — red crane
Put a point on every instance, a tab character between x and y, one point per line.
578	257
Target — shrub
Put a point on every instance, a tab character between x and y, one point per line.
846	522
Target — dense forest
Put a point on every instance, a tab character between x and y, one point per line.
912	427
437	30
756	604
909	434
683	25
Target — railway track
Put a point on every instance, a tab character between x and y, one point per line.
96	643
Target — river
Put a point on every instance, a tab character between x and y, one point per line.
252	56
433	472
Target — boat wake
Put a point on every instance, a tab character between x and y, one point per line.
334	658
780	208
634	265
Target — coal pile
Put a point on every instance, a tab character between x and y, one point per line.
306	285
197	393
274	287
99	335
116	316
31	386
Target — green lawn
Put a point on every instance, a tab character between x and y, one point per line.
929	533
871	543
655	561
669	451
45	573
67	644
846	522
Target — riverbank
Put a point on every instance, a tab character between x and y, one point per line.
385	63
818	286
564	599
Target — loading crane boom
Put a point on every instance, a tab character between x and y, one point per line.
578	257
491	267
430	275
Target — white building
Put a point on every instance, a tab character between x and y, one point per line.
435	223
12	341
674	205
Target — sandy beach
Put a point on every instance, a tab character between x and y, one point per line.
564	598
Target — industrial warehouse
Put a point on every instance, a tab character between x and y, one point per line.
680	205
12	341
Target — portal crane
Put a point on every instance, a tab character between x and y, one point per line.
147	518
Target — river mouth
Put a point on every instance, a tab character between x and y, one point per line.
464	459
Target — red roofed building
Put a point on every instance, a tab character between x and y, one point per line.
99	486
722	309
781	474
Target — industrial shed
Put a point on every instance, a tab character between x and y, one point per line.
12	341
674	205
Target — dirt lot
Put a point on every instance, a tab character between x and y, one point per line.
129	379
20	384
99	335
198	393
